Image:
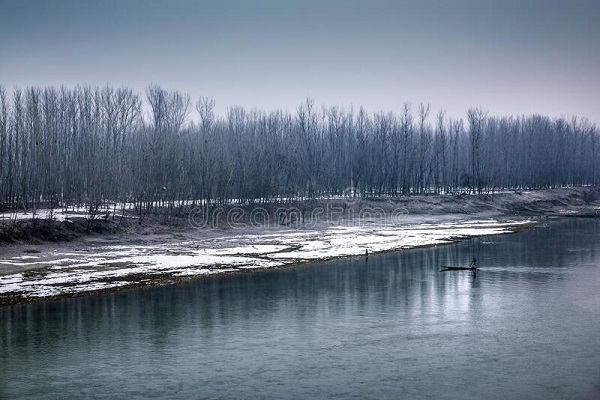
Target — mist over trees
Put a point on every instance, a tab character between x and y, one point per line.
95	145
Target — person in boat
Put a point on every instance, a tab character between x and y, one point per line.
474	263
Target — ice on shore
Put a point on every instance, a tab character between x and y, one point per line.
101	267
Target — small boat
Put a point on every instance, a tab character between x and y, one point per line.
449	268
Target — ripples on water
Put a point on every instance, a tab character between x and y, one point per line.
526	326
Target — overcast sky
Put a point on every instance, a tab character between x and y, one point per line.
508	57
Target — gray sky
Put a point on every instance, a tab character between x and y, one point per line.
508	57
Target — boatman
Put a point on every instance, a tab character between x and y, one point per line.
474	263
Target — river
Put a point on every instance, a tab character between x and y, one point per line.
526	326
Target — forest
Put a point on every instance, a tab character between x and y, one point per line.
94	146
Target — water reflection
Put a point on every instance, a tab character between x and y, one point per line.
272	320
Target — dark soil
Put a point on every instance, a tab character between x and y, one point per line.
43	230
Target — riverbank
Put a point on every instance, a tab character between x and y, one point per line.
146	255
75	223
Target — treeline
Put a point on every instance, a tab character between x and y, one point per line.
93	145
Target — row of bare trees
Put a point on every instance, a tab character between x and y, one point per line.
91	145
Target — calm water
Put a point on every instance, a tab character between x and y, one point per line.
527	326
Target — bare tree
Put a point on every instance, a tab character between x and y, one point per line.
205	107
476	118
92	146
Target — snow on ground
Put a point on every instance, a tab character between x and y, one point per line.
62	214
95	267
40	214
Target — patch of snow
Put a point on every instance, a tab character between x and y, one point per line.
99	267
24	257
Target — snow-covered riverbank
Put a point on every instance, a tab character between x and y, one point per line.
50	271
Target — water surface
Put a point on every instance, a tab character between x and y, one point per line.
526	326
